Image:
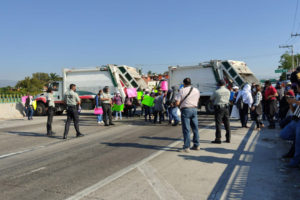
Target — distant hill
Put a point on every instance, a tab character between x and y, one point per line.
5	83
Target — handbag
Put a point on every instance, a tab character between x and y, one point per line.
98	111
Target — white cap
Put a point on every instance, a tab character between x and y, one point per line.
236	87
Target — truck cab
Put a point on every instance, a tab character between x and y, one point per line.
58	99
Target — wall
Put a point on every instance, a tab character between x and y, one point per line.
11	111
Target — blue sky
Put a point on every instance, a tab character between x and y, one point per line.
46	36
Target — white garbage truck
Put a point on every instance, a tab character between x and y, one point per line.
89	81
206	75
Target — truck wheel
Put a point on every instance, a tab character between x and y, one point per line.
209	108
40	109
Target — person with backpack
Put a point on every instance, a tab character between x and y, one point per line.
98	105
118	101
158	107
244	101
173	109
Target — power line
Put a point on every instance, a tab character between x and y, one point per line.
295	16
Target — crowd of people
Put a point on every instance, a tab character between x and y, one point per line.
278	104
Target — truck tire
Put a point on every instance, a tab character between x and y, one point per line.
40	109
209	108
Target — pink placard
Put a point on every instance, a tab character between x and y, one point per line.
131	92
164	86
24	99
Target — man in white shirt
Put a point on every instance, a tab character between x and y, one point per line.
187	100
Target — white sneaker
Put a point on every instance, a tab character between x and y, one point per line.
99	122
116	118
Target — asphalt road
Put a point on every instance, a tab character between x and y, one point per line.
33	166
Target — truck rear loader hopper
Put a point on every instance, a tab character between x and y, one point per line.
206	75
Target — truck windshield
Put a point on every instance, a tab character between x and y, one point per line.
54	86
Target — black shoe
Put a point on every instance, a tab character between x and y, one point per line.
227	141
175	124
106	124
216	142
80	135
287	155
111	124
65	137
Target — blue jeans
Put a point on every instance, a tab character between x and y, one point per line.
29	112
189	120
99	118
292	132
174	114
119	113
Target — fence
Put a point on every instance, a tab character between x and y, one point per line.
11	98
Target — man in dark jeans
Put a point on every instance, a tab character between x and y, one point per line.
187	100
50	111
220	100
106	105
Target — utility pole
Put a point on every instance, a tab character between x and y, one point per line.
292	49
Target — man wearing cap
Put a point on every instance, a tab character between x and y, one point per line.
72	99
220	99
187	100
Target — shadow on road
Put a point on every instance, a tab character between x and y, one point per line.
32	134
232	163
141	146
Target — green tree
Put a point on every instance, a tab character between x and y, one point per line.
286	63
54	77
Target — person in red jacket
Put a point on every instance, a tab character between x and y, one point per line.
271	103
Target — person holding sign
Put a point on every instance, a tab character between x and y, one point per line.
147	102
117	100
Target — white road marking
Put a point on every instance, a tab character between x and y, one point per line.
160	185
20	152
124	171
31	172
